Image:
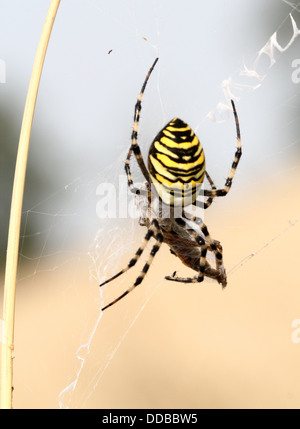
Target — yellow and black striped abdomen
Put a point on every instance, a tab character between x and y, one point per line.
176	164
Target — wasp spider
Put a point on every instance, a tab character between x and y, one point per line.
176	170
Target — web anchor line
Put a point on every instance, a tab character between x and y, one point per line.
247	258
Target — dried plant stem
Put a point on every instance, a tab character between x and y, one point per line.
16	211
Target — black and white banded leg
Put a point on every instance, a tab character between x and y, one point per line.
203	265
213	245
154	232
207	203
222	192
206	243
134	139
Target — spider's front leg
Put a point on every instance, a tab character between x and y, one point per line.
134	140
222	192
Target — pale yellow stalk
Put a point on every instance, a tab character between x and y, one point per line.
6	374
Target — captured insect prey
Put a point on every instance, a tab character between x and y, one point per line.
175	173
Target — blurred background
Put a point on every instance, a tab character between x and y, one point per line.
166	345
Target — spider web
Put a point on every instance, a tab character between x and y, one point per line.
68	247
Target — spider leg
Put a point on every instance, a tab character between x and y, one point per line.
140	278
152	229
213	187
222	192
213	245
208	272
194	279
134	143
209	200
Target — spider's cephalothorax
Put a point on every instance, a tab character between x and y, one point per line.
176	164
176	170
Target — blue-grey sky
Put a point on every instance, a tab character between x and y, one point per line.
97	59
